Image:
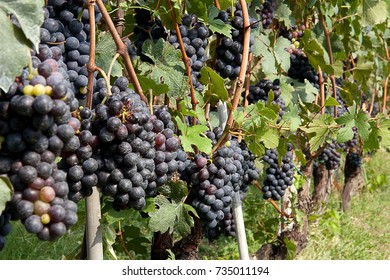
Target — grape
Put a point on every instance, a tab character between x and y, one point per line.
278	178
229	52
267	13
214	181
33	224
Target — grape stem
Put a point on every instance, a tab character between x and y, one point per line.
122	50
385	84
186	60
112	64
216	3
330	52
322	90
373	95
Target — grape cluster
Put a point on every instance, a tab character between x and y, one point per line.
125	168
195	38
229	53
267	12
301	69
170	158
35	118
353	150
330	156
214	181
354	159
294	33
5	227
261	90
65	37
278	178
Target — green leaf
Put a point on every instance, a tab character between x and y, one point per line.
373	12
193	136
198	8
330	101
165	14
345	134
362	72
174	190
133	235
283	13
286	92
291	248
372	143
105	51
356	118
316	53
6	191
216	25
149	84
384	133
30	17
281	55
167	67
292	118
261	45
269	138
318	130
216	89
171	217
14	52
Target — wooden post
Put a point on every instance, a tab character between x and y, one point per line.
93	229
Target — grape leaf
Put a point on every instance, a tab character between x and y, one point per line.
149	84
174	190
281	55
165	14
134	236
167	67
345	134
30	17
171	216
318	130
216	89
216	25
292	118
6	191
316	53
105	51
384	132
193	136
373	12
356	118
283	13
261	45
362	73
14	52
330	101
198	8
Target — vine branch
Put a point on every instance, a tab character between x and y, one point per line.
241	78
186	60
330	53
122	50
